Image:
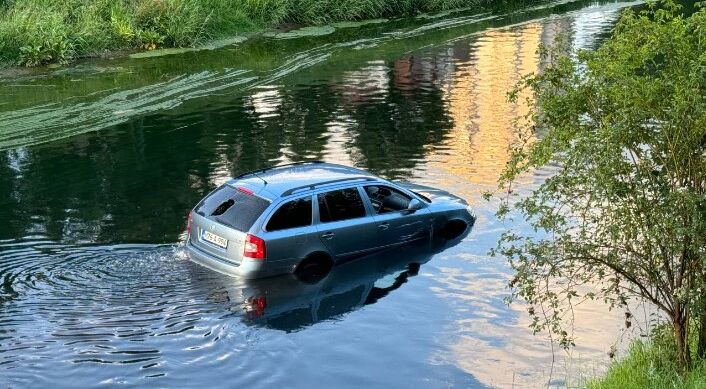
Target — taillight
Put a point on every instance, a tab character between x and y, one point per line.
188	224
254	247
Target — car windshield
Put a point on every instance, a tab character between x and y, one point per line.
236	208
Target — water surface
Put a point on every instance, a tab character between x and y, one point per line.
100	163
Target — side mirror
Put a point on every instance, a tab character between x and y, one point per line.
414	206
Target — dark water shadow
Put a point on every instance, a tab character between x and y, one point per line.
290	303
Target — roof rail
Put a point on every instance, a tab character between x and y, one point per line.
253	172
319	184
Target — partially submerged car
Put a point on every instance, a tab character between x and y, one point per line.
311	214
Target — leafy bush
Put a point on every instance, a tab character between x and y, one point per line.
625	212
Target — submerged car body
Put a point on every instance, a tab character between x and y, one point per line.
277	220
292	303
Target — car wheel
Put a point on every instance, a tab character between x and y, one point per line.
453	229
313	268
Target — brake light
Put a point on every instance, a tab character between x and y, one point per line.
245	190
254	247
188	223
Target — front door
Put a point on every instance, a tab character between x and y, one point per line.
395	223
345	227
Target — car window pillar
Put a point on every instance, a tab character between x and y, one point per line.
315	208
369	210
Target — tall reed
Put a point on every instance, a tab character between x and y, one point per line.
36	32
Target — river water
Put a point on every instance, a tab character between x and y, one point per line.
100	162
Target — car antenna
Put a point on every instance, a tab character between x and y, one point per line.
263	180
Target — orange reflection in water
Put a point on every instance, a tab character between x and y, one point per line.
477	148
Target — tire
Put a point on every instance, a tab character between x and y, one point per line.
453	229
314	268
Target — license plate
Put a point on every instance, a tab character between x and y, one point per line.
215	239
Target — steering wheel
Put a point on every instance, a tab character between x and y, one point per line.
377	204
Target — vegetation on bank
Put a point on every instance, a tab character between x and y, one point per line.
624	216
35	32
653	364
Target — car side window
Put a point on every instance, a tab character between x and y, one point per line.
295	213
339	205
386	199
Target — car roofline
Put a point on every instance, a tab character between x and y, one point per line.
319	185
254	172
274	188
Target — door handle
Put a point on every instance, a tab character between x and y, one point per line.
328	235
384	226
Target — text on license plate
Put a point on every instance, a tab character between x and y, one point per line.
215	239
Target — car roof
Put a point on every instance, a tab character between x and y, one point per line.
283	180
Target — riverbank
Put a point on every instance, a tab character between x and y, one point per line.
36	32
652	364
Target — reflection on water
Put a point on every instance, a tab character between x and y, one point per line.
89	295
477	99
289	303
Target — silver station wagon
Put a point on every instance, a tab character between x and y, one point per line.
293	217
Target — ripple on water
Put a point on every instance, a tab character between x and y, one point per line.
79	307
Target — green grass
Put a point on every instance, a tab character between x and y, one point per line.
37	32
652	364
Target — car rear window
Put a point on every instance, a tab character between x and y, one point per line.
295	213
340	205
232	207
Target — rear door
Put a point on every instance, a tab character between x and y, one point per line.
290	233
345	226
221	221
395	224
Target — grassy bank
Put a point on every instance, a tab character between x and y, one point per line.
652	364
36	32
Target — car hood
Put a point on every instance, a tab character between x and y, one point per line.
436	195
